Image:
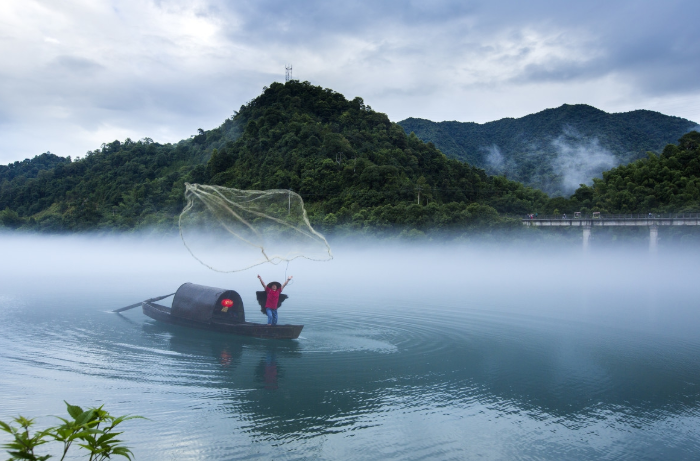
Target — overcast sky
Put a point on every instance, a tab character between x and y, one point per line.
77	73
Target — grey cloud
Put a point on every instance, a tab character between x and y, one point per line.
75	64
279	18
432	47
656	44
556	70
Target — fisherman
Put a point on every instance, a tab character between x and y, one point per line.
273	291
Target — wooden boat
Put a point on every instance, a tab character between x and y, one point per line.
214	309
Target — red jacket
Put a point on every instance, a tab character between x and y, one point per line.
273	297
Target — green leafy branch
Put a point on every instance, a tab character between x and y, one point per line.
92	429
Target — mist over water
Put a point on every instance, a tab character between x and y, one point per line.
409	351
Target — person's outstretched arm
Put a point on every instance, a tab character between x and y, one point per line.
261	281
285	283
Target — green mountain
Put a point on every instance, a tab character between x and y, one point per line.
354	168
555	150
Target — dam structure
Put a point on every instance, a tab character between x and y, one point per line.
586	222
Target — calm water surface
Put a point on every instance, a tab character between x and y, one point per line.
407	353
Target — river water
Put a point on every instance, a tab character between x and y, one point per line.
408	352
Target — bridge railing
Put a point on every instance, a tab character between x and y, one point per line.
615	216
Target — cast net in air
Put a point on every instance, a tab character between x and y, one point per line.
230	230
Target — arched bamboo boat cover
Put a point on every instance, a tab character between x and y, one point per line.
200	303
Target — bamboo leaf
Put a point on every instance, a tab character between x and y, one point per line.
73	410
24	422
20	455
123	451
6	427
85	417
106	437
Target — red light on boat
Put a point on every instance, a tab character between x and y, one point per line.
227	303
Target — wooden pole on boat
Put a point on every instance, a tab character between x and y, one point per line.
122	309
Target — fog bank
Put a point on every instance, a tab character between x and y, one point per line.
625	288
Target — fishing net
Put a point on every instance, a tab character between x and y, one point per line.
230	230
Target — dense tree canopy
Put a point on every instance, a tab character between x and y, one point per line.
664	183
122	185
354	168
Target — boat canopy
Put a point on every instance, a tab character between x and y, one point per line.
200	303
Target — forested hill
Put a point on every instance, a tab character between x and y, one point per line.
121	185
557	149
354	168
669	182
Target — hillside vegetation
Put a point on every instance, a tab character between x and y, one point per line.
666	183
353	167
357	172
557	149
122	185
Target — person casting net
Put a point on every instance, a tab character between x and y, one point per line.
230	230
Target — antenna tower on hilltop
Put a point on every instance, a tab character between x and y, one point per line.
287	73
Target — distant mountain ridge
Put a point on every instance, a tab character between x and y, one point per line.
554	150
360	173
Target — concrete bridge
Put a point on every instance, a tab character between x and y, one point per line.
586	222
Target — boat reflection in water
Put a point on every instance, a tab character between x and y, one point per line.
234	356
268	371
280	389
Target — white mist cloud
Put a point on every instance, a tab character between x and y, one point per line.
494	157
579	160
